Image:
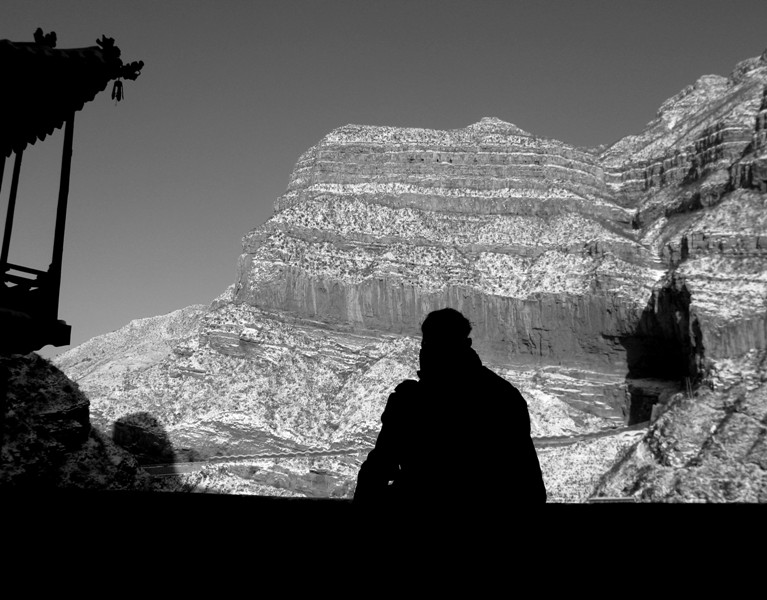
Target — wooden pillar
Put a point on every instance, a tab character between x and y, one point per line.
11	210
54	273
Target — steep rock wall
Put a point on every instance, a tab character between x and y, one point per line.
600	284
380	226
545	328
557	255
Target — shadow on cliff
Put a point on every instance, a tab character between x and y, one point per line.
47	440
664	353
145	438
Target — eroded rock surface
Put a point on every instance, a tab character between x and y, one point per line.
706	447
382	225
601	282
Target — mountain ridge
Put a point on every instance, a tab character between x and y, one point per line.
598	283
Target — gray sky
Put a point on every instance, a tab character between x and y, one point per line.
166	183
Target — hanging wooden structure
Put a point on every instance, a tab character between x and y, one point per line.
43	88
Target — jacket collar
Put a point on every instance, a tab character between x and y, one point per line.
459	365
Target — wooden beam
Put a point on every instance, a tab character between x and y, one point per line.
11	210
61	217
11	266
23	281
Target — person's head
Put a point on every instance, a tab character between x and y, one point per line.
445	335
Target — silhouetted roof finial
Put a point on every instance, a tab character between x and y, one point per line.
30	70
47	39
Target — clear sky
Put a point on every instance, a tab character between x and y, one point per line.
166	183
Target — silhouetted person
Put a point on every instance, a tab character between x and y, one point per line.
458	439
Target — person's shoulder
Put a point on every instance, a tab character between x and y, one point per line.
408	386
492	377
501	385
400	397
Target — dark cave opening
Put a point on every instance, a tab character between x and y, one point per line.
663	353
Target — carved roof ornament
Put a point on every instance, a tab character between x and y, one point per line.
44	84
48	39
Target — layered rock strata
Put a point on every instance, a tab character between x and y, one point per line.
694	179
380	225
701	206
243	381
599	282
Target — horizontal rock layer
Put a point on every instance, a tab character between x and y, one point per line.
556	254
600	283
380	226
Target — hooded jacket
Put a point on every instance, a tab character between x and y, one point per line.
459	435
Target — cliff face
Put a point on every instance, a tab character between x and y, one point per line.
645	259
595	282
700	205
380	226
695	178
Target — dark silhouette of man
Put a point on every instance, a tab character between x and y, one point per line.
458	439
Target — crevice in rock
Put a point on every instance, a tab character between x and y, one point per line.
664	353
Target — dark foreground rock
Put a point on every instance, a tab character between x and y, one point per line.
47	439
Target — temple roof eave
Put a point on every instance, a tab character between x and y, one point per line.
43	86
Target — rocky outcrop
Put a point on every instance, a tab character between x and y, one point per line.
381	225
706	127
47	439
751	170
708	226
416	166
707	447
